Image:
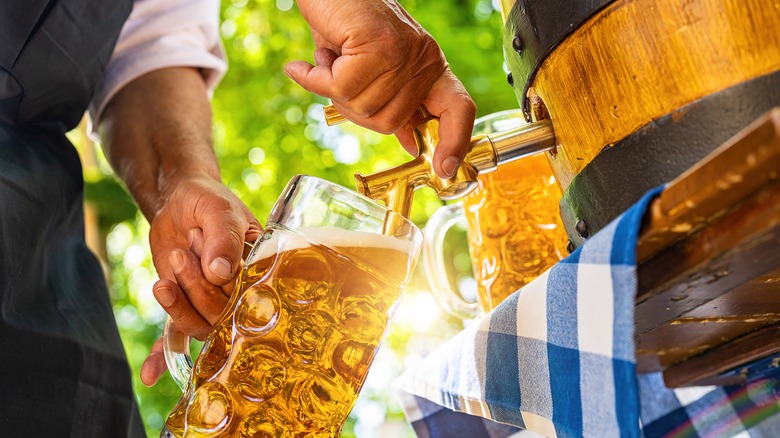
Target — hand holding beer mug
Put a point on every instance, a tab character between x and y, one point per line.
292	349
513	226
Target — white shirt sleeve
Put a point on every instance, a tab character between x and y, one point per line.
160	34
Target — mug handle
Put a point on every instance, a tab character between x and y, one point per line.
435	230
176	345
176	349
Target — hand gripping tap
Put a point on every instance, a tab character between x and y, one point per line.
395	186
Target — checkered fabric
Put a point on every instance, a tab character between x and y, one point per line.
750	410
557	358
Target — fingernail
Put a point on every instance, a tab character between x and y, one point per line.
164	296
221	268
177	261
450	165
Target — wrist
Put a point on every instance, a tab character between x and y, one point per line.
180	177
152	192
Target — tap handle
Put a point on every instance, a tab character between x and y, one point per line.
334	117
396	186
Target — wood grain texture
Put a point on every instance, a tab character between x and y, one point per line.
706	368
709	265
638	60
742	166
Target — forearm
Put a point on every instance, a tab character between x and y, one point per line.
157	131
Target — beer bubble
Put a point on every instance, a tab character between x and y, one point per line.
359	285
214	353
258	429
315	434
321	402
257	271
361	319
498	218
268	421
307	330
529	250
258	373
351	360
210	411
503	286
257	311
305	276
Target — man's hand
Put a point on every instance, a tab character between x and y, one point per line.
157	135
378	65
197	241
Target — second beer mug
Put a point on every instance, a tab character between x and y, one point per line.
513	225
293	347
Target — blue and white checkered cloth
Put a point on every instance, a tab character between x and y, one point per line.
557	358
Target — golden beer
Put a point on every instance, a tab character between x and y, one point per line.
291	354
513	224
514	227
292	349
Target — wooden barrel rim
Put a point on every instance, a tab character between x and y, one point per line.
638	60
533	28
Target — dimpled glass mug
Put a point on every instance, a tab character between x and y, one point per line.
291	351
513	226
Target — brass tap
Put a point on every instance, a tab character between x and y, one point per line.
395	186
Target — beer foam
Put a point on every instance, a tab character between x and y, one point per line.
332	237
337	237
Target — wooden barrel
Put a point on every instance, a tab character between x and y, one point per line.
638	90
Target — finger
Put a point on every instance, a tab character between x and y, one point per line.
405	135
322	42
195	237
345	78
227	289
325	57
175	303
154	366
388	104
450	101
370	110
252	234
164	236
206	298
224	231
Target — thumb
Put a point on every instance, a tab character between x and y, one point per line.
224	234
317	80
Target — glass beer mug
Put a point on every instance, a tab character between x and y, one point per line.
292	349
513	226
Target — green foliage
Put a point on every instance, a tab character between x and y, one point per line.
267	129
114	204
